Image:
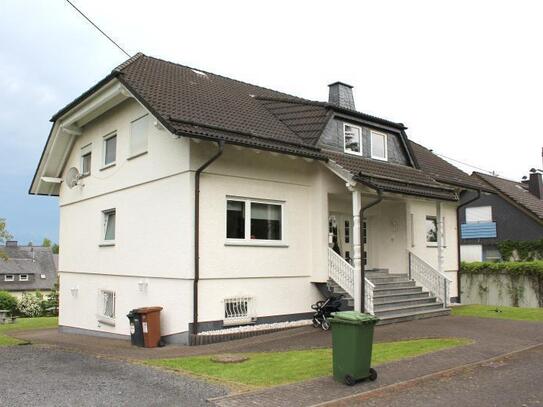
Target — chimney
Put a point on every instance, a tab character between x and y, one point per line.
535	183
341	95
11	243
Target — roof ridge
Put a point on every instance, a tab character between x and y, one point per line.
479	173
123	65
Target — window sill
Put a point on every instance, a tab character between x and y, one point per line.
105	167
85	175
136	155
256	243
105	320
434	246
353	153
107	244
380	158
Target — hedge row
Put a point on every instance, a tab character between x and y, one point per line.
533	268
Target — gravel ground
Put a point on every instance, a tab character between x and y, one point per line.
34	376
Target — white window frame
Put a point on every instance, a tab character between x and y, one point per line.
101	314
479	208
23	277
236	317
105	219
344	145
133	154
429	243
86	150
9	278
104	144
373	132
247	241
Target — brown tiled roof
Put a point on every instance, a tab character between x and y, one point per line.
201	103
443	171
392	177
516	192
304	119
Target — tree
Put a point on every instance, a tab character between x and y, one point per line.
46	242
4	235
55	248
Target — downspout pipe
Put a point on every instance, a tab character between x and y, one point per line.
363	259
459	237
199	171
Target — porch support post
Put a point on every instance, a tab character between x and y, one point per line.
439	223
357	249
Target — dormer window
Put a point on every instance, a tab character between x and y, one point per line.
352	137
379	146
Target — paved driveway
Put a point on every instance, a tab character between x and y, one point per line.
36	376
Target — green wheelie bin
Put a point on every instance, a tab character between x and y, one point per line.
352	342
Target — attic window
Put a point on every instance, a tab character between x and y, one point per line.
379	146
352	138
199	72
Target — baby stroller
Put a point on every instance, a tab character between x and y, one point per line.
323	309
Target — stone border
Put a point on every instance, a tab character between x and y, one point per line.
195	340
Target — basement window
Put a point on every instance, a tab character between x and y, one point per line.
106	306
238	311
352	139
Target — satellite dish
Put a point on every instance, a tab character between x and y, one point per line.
72	177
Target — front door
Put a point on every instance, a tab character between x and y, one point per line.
340	229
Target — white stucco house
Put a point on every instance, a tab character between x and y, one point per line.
227	203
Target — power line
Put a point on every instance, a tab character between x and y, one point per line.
98	28
466	164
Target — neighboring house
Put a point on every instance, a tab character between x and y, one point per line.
513	211
228	203
28	269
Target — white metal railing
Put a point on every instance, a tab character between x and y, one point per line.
435	282
342	273
239	310
368	296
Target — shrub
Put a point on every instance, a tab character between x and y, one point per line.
521	250
8	301
30	305
50	304
530	268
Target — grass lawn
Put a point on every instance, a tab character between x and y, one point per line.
23	324
273	368
489	311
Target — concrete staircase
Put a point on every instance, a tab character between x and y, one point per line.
396	298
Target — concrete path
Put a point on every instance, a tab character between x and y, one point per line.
34	376
514	380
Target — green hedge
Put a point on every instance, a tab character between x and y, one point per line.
533	268
523	250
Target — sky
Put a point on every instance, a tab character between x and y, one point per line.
465	77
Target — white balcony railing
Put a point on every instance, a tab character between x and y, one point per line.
428	277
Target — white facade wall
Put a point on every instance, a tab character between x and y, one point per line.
416	212
152	195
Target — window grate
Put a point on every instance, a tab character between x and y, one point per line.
239	310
